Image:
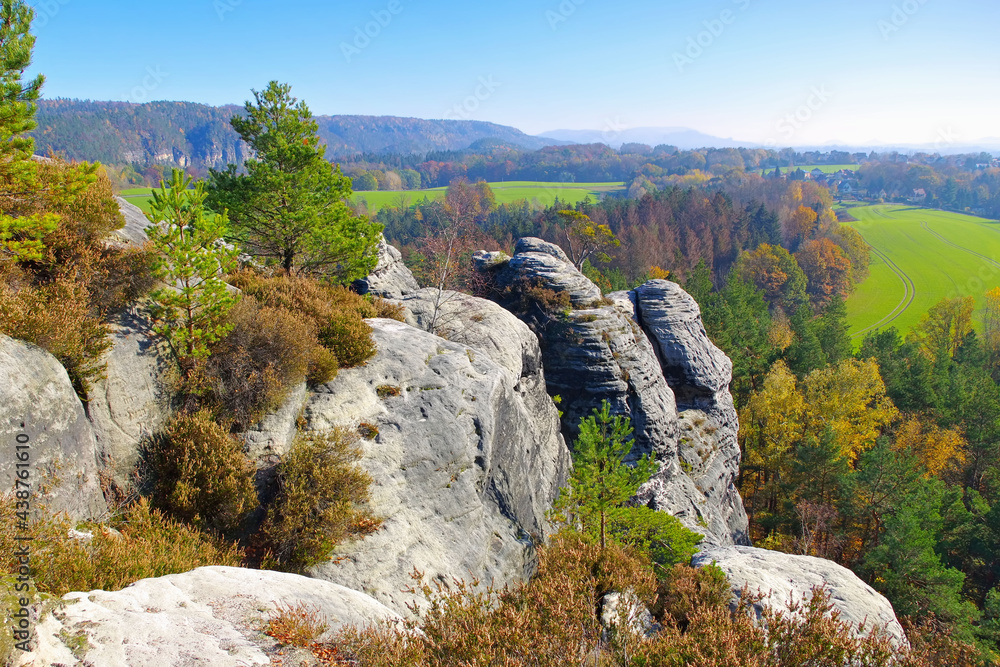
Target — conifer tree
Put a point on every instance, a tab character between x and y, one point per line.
601	481
21	233
290	208
191	308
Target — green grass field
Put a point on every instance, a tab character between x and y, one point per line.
510	191
920	256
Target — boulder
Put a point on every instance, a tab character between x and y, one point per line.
275	433
133	400
211	615
390	279
136	222
787	578
463	473
38	405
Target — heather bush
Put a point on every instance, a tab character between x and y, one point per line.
349	338
266	352
321	501
200	475
138	543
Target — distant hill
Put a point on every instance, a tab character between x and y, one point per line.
682	137
197	135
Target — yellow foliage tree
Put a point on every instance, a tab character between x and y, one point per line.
936	447
945	325
991	328
773	421
849	398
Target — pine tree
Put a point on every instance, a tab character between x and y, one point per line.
601	481
21	233
191	309
290	207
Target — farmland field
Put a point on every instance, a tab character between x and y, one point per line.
920	256
506	192
510	191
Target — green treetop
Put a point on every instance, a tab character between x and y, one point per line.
191	308
290	207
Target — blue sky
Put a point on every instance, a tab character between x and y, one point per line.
791	73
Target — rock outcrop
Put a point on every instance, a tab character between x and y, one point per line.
209	616
133	400
624	349
136	222
787	578
699	373
463	474
39	406
390	279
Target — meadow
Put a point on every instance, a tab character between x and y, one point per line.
920	256
534	192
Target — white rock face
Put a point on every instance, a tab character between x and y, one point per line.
463	476
209	616
788	577
136	222
133	401
390	279
37	400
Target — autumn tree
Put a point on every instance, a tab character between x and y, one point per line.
944	327
800	225
827	269
776	273
290	207
991	330
191	307
447	252
585	239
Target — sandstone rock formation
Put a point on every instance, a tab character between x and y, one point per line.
38	403
133	401
791	578
463	471
390	279
209	616
136	222
637	350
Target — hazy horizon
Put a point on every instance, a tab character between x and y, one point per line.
855	73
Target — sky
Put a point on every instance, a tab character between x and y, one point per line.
778	72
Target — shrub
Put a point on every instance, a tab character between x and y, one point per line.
57	317
201	475
662	536
349	338
386	390
335	313
296	625
321	500
265	354
138	544
62	299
